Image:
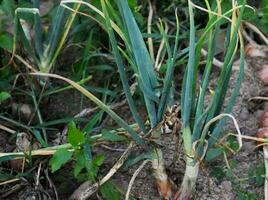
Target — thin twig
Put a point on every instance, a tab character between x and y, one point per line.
4	128
238	135
38	176
134	177
9	181
256	30
216	62
220	15
111	149
247	137
51	184
40	152
258	98
25	63
204	150
249	39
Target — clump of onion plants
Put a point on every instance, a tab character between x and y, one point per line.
201	126
156	99
134	55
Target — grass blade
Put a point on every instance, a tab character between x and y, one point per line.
224	78
165	94
55	32
19	34
146	75
217	130
38	30
189	74
121	70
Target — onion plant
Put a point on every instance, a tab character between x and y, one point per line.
156	98
121	26
42	51
201	128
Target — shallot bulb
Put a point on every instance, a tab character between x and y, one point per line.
263	74
263	121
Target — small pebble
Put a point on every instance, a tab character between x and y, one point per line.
227	185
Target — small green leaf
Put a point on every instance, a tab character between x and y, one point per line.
92	173
135	158
77	169
229	173
218	172
5	176
75	136
232	163
98	160
132	3
87	151
40	138
244	195
6	42
213	153
110	192
8	7
80	157
61	157
4	96
106	135
233	144
256	175
92	122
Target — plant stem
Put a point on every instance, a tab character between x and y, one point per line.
189	180
159	172
187	140
192	168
